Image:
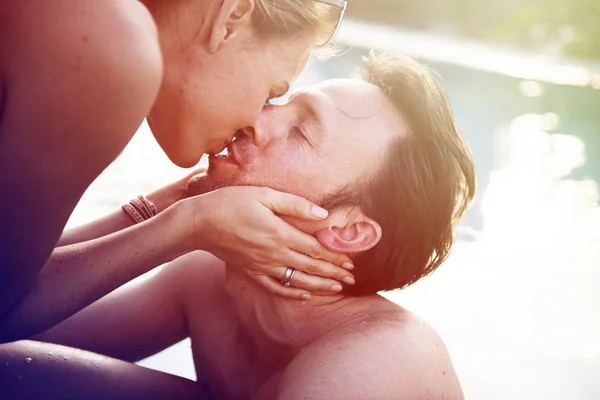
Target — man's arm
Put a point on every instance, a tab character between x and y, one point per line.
141	318
379	363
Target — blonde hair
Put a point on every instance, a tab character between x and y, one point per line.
295	17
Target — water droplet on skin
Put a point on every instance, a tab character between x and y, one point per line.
49	355
28	360
65	358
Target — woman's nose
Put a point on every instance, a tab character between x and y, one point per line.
271	124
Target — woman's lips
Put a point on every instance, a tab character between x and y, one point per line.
225	155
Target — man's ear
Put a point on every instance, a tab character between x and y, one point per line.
353	237
232	15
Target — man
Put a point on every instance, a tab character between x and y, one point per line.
385	157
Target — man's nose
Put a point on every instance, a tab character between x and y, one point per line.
272	123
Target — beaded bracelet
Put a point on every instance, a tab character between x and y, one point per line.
140	209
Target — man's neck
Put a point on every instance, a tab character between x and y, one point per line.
284	326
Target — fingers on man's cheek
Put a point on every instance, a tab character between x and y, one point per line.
315	283
275	287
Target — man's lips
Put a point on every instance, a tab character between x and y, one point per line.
226	154
232	153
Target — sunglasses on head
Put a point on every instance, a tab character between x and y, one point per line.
341	5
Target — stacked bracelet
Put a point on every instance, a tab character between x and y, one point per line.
140	209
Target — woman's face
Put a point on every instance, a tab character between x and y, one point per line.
207	94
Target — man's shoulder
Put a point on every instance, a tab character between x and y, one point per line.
389	353
375	316
202	261
388	330
198	274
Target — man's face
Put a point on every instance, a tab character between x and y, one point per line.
325	138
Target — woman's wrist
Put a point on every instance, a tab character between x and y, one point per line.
168	195
174	229
195	223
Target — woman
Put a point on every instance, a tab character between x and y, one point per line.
77	80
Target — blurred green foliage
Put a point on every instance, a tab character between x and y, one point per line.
571	26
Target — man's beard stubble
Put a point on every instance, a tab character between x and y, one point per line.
202	183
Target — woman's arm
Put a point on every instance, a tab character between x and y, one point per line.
146	316
113	222
79	274
163	198
136	320
237	224
59	372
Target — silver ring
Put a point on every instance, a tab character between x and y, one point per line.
286	280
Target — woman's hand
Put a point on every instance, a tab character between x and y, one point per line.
241	226
163	198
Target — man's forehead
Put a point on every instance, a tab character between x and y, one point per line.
339	89
346	85
357	102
